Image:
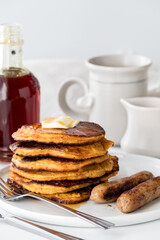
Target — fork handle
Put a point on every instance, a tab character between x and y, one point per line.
89	218
37	229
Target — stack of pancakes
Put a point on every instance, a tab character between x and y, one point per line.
61	164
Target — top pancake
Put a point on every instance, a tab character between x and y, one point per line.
83	133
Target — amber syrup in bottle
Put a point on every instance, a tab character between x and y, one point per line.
19	89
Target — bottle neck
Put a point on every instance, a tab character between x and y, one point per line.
10	56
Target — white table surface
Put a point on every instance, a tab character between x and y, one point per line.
147	231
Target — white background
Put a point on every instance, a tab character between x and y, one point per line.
84	28
81	29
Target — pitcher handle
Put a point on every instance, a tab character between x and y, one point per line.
83	104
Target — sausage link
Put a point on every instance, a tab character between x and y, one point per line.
140	195
110	191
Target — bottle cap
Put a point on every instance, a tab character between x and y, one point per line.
11	33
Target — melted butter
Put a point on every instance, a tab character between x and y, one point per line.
49	120
59	122
6	41
74	206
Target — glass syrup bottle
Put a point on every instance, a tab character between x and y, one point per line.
19	89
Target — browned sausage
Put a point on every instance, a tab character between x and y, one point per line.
140	195
110	191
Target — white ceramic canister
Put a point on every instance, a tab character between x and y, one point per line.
111	78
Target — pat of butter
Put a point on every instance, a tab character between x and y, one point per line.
59	122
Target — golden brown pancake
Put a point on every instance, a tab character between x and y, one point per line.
75	196
53	164
92	171
73	152
52	187
115	167
72	197
83	133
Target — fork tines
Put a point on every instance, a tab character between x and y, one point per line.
5	189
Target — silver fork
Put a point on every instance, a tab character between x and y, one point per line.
11	195
37	229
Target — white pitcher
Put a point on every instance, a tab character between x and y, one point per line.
142	135
111	77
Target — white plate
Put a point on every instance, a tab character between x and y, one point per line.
129	164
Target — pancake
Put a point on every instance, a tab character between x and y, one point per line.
53	164
52	187
115	167
83	133
91	171
73	152
73	197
